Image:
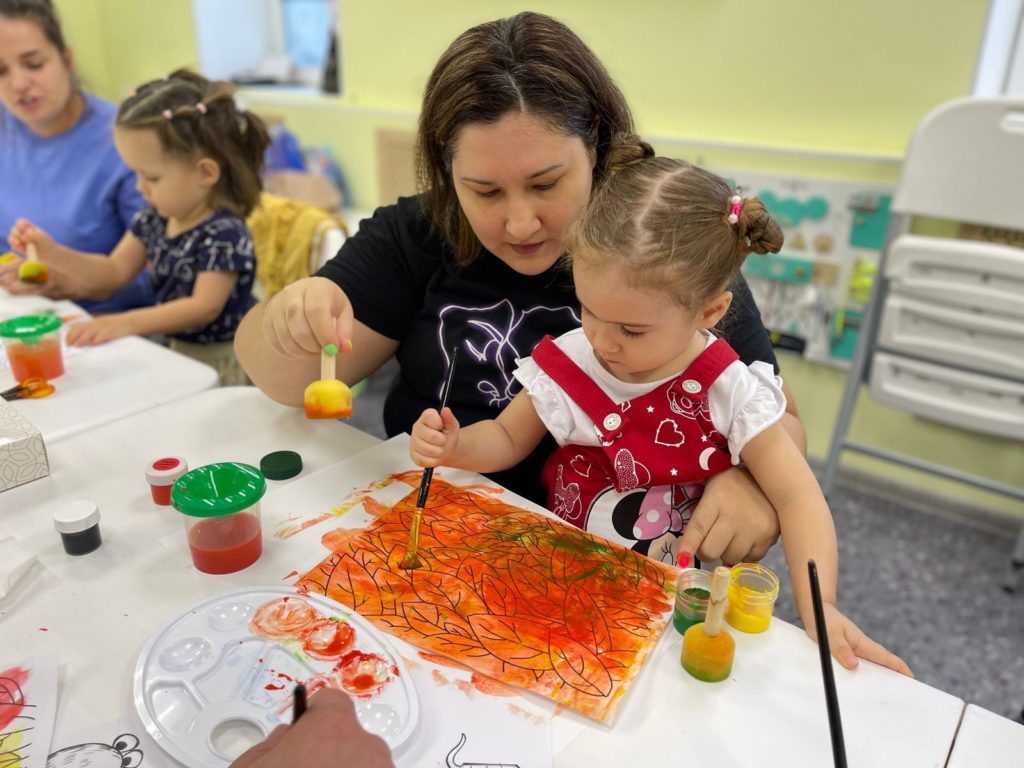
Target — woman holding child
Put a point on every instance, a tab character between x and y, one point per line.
520	125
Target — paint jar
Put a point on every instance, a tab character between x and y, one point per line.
78	523
32	343
161	475
220	504
753	590
708	657
693	590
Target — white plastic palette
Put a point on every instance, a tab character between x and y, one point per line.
208	685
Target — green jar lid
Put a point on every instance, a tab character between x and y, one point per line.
215	490
28	326
281	465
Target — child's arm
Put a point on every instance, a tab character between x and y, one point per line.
807	532
486	446
93	275
209	295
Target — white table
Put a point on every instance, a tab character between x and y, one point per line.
986	739
98	610
102	383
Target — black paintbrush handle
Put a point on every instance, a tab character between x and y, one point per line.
428	473
835	723
298	703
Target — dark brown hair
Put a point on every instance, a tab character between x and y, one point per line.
528	63
39	12
193	116
666	222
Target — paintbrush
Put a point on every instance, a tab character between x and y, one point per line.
298	703
835	723
411	560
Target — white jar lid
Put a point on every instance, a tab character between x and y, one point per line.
76	516
166	470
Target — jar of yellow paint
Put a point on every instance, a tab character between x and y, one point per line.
753	590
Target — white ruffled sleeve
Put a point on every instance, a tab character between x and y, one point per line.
549	400
750	401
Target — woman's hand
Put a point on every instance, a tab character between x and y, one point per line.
307	315
435	436
25	233
847	642
327	736
733	521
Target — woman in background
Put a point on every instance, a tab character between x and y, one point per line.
58	164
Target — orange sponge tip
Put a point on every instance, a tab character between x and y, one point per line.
33	272
328	399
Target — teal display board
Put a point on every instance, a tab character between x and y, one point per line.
813	292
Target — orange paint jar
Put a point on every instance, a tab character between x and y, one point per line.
32	343
220	504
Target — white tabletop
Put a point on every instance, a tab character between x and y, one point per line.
96	612
102	383
986	739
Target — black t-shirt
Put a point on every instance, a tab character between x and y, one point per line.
404	284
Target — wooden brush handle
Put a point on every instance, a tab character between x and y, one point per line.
31	252
327	363
716	605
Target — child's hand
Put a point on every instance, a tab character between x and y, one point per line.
847	642
99	330
434	437
24	232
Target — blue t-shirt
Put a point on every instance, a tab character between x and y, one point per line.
222	243
75	187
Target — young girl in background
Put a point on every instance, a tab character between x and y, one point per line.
644	401
197	158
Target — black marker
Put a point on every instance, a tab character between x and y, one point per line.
298	703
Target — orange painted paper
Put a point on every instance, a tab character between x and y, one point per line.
512	594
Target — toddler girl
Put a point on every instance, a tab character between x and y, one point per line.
644	401
197	157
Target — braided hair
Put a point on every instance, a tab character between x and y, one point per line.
193	116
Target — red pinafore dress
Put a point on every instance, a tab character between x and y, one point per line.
640	486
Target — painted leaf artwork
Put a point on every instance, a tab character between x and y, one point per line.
512	594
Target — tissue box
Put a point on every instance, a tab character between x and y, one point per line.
22	452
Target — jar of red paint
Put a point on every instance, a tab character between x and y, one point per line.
220	504
161	475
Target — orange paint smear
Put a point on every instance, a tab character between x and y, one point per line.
516	596
530	716
439	680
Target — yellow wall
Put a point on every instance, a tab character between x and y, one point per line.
850	78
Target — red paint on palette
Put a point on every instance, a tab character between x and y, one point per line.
363	674
327	639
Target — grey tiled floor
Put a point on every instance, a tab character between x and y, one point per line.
926	585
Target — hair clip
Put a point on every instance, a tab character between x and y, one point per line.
201	108
737	206
167	114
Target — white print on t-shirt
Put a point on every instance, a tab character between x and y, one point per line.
492	339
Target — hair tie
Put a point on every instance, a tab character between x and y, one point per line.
167	114
737	206
201	108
